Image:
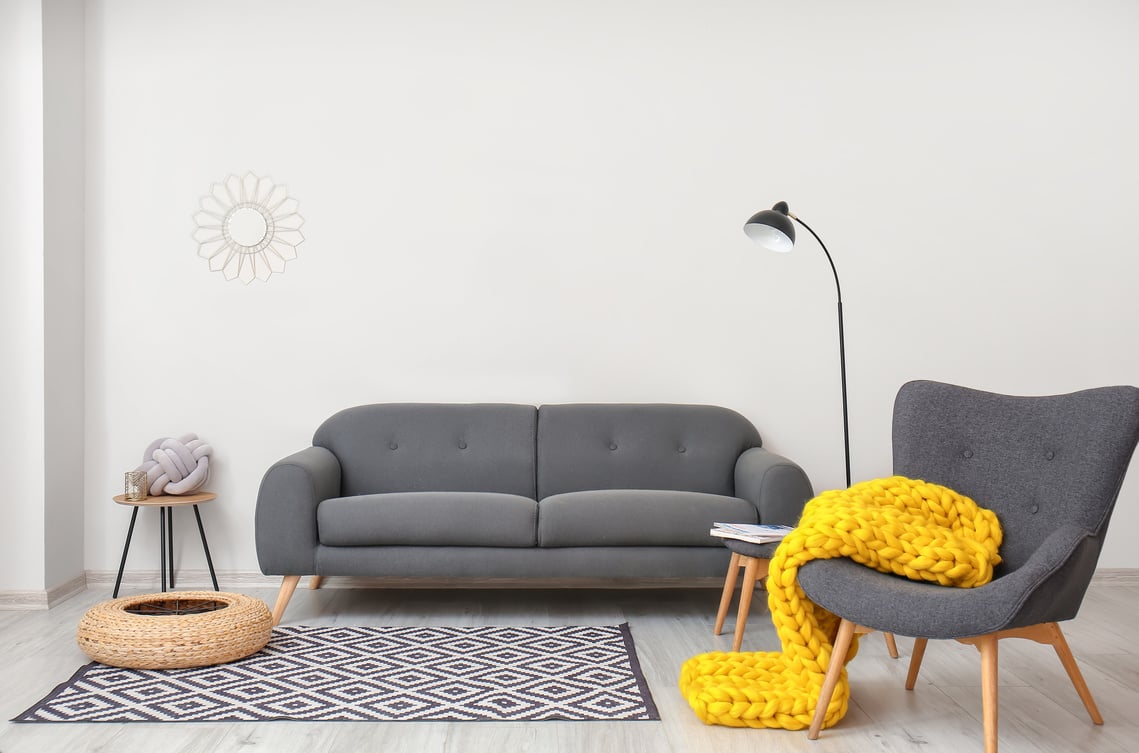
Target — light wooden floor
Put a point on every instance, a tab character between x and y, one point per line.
1040	712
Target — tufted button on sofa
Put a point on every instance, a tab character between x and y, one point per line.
596	492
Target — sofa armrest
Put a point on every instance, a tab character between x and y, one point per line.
776	486
285	518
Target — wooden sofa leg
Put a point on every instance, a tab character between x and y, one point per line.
315	581
288	586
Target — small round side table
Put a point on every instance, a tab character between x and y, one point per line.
165	504
755	559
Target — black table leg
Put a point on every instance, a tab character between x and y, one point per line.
170	543
126	548
206	548
162	545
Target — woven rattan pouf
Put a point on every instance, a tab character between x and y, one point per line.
174	630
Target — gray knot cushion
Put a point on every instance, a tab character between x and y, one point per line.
176	465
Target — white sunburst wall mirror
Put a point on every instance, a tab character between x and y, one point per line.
248	227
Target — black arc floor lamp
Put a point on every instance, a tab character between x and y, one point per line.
772	229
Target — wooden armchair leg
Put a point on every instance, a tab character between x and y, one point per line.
315	581
987	645
288	586
988	648
1065	653
841	648
915	662
891	645
1050	633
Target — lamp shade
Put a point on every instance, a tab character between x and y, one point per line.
772	229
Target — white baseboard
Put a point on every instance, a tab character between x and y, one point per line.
518	583
238	580
45	599
135	581
1116	576
23	600
76	585
140	580
148	581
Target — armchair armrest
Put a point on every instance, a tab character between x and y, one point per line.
1050	585
285	518
776	486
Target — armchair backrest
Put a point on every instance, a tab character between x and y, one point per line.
1038	462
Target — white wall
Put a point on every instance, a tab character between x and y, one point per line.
541	202
21	297
64	158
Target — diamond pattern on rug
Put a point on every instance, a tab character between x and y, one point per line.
379	674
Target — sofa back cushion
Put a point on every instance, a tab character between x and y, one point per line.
417	447
640	446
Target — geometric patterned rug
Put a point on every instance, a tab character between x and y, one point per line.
379	674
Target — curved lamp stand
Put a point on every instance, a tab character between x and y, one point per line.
772	229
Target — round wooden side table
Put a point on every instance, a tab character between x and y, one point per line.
166	504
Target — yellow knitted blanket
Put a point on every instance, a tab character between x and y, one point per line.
895	525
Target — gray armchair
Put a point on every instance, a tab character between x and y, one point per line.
1051	469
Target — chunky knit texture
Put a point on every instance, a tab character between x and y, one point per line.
895	525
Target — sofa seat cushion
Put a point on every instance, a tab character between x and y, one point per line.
636	517
428	519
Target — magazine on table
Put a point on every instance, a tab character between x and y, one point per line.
755	533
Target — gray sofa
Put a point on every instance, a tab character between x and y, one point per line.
597	492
